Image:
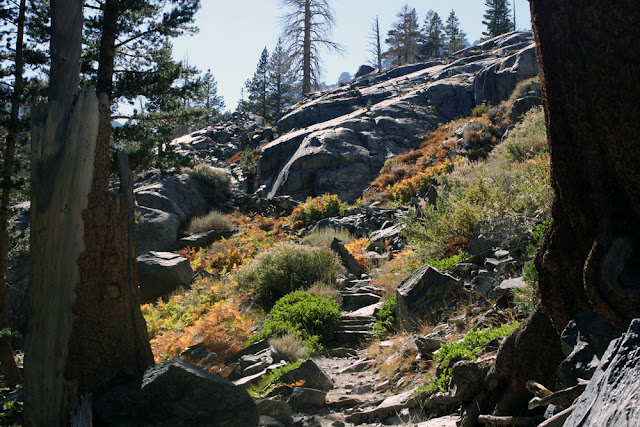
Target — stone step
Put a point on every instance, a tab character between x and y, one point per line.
354	328
359	300
353	337
346	317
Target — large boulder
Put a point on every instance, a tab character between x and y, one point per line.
175	393
425	294
157	230
313	376
611	398
178	194
159	273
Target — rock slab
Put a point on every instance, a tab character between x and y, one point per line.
611	398
175	393
159	273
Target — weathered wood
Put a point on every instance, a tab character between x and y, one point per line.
62	177
538	389
560	398
558	419
66	46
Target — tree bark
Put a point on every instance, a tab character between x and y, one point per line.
9	367
86	331
590	69
306	58
107	47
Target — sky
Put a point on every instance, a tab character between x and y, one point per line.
233	34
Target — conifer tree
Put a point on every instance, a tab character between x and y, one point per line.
496	18
454	35
282	86
257	88
434	36
404	36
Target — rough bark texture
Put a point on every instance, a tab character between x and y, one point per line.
306	60
9	367
590	69
86	331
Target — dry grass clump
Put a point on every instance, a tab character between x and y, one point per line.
322	289
397	355
323	237
214	220
390	274
289	347
217	181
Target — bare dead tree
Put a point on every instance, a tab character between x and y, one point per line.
375	46
307	28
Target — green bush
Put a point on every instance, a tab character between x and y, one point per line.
271	381
385	318
485	190
216	181
286	268
317	208
447	263
467	349
310	317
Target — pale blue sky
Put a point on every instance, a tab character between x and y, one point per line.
233	34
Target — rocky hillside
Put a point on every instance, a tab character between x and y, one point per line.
338	140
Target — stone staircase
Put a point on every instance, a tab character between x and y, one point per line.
360	301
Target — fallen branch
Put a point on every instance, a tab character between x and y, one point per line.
492	420
560	398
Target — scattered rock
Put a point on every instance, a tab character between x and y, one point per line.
348	260
176	393
275	408
425	294
303	397
312	375
159	273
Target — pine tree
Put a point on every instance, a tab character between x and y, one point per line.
496	18
282	86
455	36
434	36
257	88
404	36
307	28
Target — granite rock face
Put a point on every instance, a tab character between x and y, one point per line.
338	140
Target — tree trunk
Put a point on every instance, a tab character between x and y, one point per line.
86	331
107	47
590	69
306	47
9	367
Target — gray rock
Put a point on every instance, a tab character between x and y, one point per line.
522	105
507	286
313	376
584	341
159	273
363	70
158	230
348	260
304	397
507	232
175	393
427	345
178	194
611	398
425	294
275	408
496	81
201	240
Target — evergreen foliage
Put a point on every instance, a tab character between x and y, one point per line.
257	88
433	30
496	18
454	35
404	37
282	85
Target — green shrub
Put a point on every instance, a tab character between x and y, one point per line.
286	268
447	263
216	181
385	318
323	237
467	349
271	381
484	190
214	220
521	89
248	162
479	110
311	318
317	208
